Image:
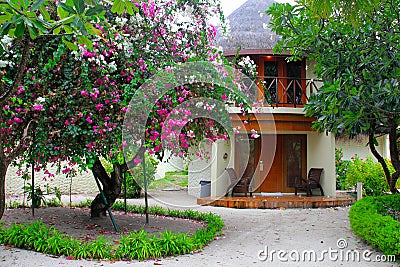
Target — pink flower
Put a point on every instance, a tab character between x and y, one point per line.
20	90
89	120
84	93
66	123
38	107
137	160
181	99
245	123
185	92
223	97
67	170
124	109
18	120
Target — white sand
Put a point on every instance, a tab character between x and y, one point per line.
246	232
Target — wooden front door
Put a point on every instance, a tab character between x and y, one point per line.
282	167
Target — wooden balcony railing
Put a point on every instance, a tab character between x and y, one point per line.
286	91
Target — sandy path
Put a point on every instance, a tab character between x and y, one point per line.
247	232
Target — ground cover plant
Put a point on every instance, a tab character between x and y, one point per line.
138	245
376	220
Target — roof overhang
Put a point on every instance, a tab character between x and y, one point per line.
258	51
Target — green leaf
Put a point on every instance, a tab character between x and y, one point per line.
92	30
62	13
79	6
33	32
86	41
40	26
68	29
5	18
94	10
57	30
70	45
5	28
19	30
117	7
36	5
44	13
78	23
67	8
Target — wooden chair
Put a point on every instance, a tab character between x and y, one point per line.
237	185
312	182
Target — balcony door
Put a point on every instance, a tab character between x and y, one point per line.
283	81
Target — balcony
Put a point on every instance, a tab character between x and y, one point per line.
286	91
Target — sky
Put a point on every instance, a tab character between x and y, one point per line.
229	6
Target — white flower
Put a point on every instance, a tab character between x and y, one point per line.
199	104
190	133
112	66
3	63
40	100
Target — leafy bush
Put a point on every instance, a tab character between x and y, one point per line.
40	196
341	169
370	220
135	245
370	173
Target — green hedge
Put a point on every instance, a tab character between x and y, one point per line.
373	219
135	245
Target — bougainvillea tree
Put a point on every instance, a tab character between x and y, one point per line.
77	99
26	26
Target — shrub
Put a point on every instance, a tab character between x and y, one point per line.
371	221
370	173
341	169
40	196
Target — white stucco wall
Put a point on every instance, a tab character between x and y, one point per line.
321	154
83	183
359	146
198	170
220	180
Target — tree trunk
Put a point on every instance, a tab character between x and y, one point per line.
111	186
3	172
394	155
381	160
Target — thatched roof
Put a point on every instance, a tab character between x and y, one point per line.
247	30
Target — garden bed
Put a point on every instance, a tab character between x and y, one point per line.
71	232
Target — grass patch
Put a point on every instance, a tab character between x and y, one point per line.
171	180
138	245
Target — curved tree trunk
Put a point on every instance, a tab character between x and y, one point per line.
3	172
394	138
111	186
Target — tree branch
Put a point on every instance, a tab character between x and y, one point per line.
381	160
20	74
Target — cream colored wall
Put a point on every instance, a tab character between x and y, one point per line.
82	183
198	170
321	154
219	180
359	146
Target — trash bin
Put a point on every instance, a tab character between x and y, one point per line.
205	189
